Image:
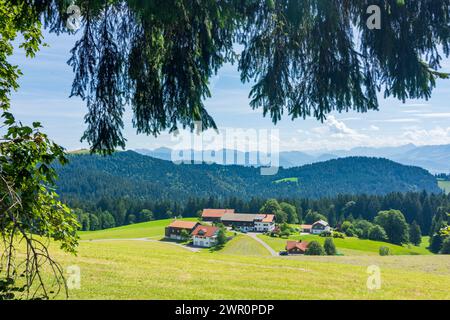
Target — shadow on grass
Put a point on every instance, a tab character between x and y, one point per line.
217	248
182	242
221	246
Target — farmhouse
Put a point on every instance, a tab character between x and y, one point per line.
306	228
249	222
296	247
214	215
320	226
205	236
173	230
266	224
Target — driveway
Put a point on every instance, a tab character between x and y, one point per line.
254	235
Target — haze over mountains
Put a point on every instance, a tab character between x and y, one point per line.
435	159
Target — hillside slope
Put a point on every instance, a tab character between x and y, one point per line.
129	174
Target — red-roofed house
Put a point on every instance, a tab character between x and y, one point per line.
306	228
173	230
296	247
265	223
205	236
214	215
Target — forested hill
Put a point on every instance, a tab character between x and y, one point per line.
129	174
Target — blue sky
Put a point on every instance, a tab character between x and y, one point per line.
47	79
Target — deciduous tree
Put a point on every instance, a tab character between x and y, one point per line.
415	235
394	223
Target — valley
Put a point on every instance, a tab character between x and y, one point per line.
124	269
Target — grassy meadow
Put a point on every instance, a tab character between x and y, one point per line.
292	179
156	270
151	229
351	245
117	268
444	185
244	245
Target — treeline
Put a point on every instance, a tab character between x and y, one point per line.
443	176
108	212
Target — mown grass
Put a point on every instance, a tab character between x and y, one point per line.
244	245
444	185
151	229
350	245
155	270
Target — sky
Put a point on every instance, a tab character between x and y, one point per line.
46	83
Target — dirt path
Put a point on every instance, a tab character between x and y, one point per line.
255	236
192	249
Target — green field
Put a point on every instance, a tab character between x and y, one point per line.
151	229
293	179
156	270
444	185
244	269
246	246
351	246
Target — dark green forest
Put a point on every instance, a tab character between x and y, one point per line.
131	175
128	188
109	211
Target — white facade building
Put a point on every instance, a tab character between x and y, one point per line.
205	236
267	224
320	226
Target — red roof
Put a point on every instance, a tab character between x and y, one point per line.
302	245
183	224
215	213
268	218
306	226
205	231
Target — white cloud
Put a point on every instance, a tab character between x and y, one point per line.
435	115
412	111
426	105
339	129
437	135
399	120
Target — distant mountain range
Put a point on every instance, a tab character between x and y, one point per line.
129	174
435	159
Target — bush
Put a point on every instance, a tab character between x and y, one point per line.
325	234
330	248
445	249
415	234
185	236
362	228
221	238
345	226
436	243
285	230
339	235
385	251
377	233
285	234
350	232
315	249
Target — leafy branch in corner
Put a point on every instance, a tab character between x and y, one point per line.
31	216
